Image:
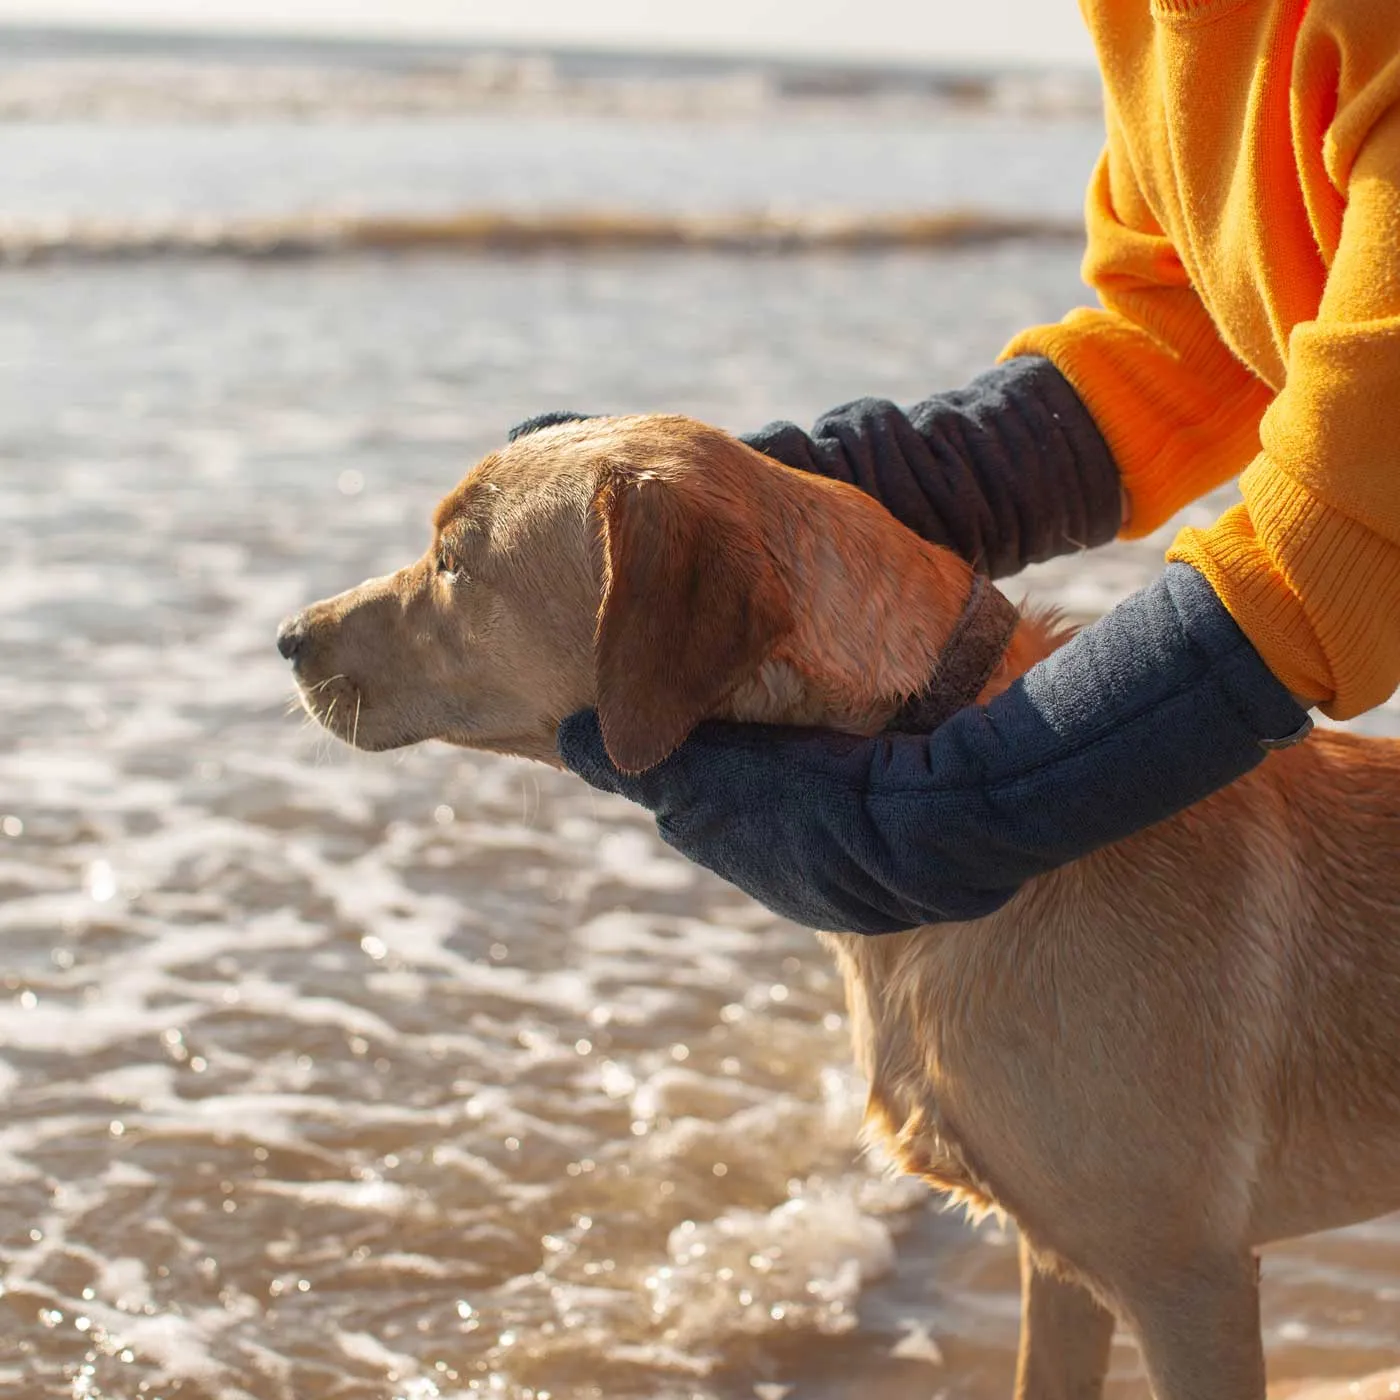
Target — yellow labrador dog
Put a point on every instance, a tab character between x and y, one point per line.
1154	1060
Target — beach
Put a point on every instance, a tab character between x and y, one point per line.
332	1075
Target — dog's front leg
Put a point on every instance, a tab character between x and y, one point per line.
1065	1337
1198	1328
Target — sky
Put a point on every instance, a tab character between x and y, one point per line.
948	31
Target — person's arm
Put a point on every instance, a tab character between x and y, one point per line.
1309	563
1005	472
1143	713
1179	412
1104	423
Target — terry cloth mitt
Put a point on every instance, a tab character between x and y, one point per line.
1151	708
1006	472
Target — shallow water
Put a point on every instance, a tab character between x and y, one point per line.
541	162
329	1075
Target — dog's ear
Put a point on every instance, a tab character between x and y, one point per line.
692	606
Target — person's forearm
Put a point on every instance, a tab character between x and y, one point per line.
1144	712
1006	472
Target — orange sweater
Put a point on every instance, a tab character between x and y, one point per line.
1244	241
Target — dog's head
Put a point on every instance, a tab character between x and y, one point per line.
649	566
607	562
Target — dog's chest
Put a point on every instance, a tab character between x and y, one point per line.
905	1113
917	1137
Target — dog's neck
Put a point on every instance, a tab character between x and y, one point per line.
874	609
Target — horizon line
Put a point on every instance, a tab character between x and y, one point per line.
426	41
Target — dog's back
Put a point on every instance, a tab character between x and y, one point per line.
1195	1032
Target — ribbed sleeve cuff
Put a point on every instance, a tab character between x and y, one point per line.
1316	592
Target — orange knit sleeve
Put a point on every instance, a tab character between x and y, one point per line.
1178	410
1309	565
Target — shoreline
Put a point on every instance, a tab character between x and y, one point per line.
494	232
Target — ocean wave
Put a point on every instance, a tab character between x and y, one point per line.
47	77
496	231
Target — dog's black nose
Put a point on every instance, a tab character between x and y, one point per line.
291	637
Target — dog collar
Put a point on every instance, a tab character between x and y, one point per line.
971	654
